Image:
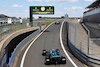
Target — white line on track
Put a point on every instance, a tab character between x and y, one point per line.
23	58
64	47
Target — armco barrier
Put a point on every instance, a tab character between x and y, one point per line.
21	45
90	61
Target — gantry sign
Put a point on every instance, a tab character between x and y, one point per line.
40	10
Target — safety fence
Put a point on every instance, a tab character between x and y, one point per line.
10	52
21	45
85	49
14	46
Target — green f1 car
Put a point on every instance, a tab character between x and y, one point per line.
53	57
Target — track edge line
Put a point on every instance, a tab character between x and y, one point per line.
63	46
25	53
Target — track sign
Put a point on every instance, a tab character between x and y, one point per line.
42	9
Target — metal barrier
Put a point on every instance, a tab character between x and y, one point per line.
21	45
4	59
77	49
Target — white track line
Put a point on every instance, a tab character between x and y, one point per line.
23	58
64	47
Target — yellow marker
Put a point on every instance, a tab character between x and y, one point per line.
52	49
35	7
49	7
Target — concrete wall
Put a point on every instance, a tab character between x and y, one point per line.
8	39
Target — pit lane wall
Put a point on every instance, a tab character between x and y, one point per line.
84	58
9	47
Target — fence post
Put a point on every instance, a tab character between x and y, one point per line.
68	29
88	41
81	46
76	37
70	34
88	36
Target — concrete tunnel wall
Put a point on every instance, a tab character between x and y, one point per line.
14	42
10	42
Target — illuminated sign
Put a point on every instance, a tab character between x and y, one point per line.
42	9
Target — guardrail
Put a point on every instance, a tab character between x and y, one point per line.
86	59
27	36
21	45
4	56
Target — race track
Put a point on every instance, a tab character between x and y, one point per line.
50	39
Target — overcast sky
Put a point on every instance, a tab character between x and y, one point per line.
20	8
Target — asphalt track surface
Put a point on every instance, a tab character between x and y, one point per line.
50	39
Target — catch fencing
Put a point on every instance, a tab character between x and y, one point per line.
84	48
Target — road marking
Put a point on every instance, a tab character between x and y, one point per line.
23	58
63	46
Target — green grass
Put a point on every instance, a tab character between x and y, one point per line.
47	22
12	28
17	27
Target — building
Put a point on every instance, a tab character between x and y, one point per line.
91	17
6	20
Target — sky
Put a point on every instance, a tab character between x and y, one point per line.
20	8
